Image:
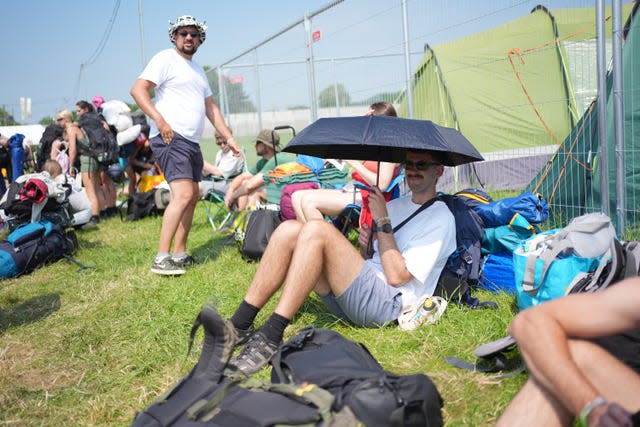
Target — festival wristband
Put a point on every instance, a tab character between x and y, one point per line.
584	415
382	220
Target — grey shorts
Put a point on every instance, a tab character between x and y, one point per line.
181	159
368	301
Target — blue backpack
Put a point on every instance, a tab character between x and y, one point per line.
33	245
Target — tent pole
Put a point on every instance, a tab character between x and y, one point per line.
602	108
618	114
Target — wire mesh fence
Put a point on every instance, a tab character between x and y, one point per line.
519	80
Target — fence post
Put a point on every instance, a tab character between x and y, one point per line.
407	59
618	114
602	107
310	69
258	95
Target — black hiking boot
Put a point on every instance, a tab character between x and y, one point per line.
255	354
217	346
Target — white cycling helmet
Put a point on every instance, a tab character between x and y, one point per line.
185	21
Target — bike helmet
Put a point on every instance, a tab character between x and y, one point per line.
185	21
115	172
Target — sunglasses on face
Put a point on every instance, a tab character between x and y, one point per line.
221	143
193	34
420	165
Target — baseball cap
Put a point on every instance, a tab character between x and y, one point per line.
268	137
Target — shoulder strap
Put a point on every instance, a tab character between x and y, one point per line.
424	206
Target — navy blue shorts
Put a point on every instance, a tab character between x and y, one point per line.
181	159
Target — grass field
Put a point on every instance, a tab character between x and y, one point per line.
92	347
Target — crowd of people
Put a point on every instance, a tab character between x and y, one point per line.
573	373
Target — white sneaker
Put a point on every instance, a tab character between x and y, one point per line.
429	310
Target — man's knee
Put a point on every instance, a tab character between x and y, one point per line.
317	229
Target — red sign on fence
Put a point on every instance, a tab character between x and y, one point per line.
234	80
315	36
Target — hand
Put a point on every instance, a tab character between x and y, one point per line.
377	203
610	415
165	131
233	144
364	236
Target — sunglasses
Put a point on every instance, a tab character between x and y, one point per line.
221	143
59	119
193	34
420	165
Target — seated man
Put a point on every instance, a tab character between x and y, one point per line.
571	377
227	166
248	188
314	256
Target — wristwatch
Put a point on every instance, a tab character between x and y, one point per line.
385	228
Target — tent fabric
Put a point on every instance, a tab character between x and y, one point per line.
571	181
517	87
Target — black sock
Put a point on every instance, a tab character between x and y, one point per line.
274	327
244	315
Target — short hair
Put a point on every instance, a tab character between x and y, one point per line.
383	109
52	167
438	156
86	106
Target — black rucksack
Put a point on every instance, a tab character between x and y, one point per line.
102	144
50	134
260	225
147	203
214	395
351	374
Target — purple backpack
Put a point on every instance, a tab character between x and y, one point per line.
286	208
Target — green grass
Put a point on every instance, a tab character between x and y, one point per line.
92	347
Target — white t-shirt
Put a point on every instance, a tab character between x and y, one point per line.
229	164
181	88
426	242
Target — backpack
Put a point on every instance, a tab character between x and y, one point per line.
50	134
550	264
33	245
214	395
260	225
352	375
102	144
142	204
462	269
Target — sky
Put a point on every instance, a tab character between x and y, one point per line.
47	41
57	52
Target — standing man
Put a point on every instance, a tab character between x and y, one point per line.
182	100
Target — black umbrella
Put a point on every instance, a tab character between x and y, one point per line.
381	138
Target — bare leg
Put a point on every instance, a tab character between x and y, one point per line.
317	203
91	184
274	263
182	194
322	260
535	405
182	233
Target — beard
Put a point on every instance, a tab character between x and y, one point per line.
188	50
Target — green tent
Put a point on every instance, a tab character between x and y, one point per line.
515	91
571	180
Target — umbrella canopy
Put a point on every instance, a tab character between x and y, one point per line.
381	138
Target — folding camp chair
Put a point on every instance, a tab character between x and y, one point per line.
216	211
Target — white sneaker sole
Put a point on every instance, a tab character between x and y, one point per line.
177	272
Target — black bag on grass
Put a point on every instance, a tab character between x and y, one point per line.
352	375
212	395
260	226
